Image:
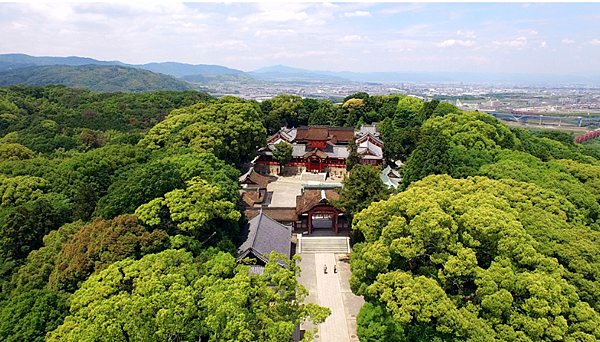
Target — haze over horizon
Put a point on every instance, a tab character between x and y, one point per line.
555	38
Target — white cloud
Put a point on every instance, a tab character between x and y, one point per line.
452	42
356	14
595	41
330	5
466	34
568	41
533	32
520	42
543	45
294	55
401	9
274	33
352	38
277	16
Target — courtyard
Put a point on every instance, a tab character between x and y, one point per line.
284	189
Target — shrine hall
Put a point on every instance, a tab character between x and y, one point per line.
321	149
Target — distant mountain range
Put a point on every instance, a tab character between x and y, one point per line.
105	76
410	77
205	74
99	78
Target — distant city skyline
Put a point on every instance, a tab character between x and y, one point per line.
556	38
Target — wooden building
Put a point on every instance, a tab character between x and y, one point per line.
321	149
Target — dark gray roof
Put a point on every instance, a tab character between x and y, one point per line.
264	236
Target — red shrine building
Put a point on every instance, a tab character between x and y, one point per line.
321	149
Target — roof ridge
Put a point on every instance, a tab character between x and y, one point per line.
260	215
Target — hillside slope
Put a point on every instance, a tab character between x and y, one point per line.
18	60
97	78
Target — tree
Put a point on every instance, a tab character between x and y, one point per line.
353	110
14	152
199	210
309	107
361	188
85	203
31	315
287	108
428	109
444	108
318	117
458	145
26	225
407	112
35	273
99	244
283	153
376	324
431	157
353	156
19	190
230	131
169	297
479	259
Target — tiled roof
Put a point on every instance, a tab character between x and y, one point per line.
312	197
264	236
367	147
252	177
390	178
250	197
343	134
316	152
278	214
373	137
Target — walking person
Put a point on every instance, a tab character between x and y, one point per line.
325	269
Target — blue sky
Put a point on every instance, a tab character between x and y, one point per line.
480	37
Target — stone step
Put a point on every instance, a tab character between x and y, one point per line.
309	176
327	245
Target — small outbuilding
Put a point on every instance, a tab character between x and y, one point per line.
391	178
265	235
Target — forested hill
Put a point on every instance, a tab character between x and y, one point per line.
99	78
120	217
45	119
18	60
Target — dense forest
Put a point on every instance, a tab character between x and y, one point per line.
120	215
100	78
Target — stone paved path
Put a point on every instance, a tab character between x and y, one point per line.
330	295
331	290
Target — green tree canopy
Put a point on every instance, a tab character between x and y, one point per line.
200	210
99	244
283	153
169	297
287	109
30	315
35	273
480	259
24	227
361	188
230	131
14	152
353	156
408	112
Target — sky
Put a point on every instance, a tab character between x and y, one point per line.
556	38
